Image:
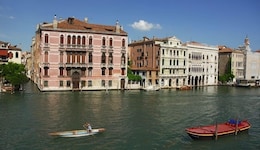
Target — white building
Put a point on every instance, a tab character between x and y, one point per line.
15	55
173	63
252	62
202	64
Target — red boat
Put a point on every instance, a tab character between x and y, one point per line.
213	131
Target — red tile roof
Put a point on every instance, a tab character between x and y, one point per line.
76	24
3	52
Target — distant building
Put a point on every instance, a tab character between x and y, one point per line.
4	52
144	57
202	64
251	62
27	62
169	63
173	63
231	60
72	54
9	53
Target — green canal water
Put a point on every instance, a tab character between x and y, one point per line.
134	120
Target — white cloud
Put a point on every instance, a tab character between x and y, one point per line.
145	26
11	17
7	17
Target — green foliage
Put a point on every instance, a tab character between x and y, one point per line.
133	77
13	73
228	76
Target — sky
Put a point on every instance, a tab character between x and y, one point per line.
212	22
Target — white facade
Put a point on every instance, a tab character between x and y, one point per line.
237	64
203	64
252	63
173	63
16	56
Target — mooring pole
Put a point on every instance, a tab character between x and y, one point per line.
216	131
236	127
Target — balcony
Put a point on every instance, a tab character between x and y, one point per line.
110	65
46	65
123	65
103	65
90	65
61	65
75	65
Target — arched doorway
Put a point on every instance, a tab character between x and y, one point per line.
75	80
170	82
196	81
122	84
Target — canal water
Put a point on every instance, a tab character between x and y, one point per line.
134	120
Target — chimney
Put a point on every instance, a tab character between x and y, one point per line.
86	20
117	27
55	22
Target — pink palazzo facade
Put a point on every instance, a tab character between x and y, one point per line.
72	54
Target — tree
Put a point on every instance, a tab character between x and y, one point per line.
133	77
228	75
13	73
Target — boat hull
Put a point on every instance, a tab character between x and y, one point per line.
223	129
77	133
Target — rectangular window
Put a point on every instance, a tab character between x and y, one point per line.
68	72
103	71
68	83
110	71
61	71
46	71
83	58
83	73
61	83
45	83
83	83
110	83
89	72
122	71
89	83
103	83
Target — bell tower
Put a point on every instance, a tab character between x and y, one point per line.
247	43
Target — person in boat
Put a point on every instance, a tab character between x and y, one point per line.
88	127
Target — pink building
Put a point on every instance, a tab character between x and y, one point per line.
72	54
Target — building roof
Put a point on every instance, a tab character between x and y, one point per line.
8	46
3	52
73	24
14	48
224	49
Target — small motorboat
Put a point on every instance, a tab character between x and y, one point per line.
77	133
213	131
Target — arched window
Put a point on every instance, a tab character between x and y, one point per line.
73	39
90	58
123	59
83	40
68	39
103	41
103	58
78	40
110	42
46	38
90	40
61	39
123	43
16	55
